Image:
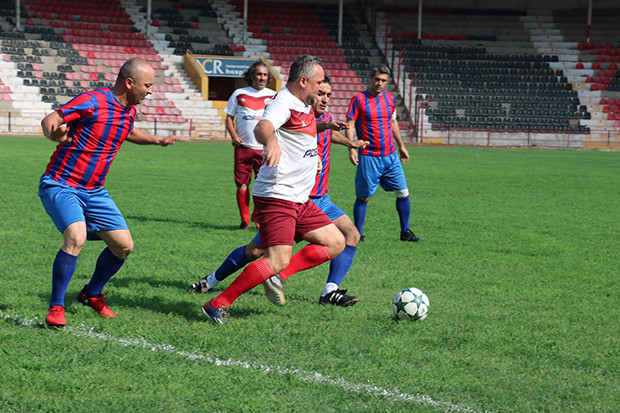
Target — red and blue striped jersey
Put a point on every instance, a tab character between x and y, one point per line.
373	121
98	124
324	144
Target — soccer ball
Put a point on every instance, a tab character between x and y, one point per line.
410	304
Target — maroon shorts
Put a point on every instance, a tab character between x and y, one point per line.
246	161
285	222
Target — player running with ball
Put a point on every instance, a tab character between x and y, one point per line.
339	266
281	191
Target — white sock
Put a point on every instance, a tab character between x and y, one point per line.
329	287
212	281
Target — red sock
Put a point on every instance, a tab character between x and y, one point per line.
309	256
243	202
254	274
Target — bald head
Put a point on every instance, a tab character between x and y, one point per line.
133	68
135	81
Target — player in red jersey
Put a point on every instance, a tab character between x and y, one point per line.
281	191
372	114
89	130
243	111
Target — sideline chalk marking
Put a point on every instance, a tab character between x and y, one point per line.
393	395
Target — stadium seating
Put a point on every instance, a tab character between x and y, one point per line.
292	29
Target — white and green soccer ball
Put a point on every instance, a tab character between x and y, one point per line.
410	304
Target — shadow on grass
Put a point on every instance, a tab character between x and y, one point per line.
190	224
188	306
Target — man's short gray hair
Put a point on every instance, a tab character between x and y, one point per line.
381	69
304	65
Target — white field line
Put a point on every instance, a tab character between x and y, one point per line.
365	388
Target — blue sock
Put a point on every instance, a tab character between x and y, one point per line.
62	271
234	262
359	214
108	264
403	206
339	266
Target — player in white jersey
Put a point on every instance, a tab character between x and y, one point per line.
281	196
243	111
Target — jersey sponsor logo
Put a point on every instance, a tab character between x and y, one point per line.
311	153
251	117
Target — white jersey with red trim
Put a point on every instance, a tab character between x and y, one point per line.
247	105
295	128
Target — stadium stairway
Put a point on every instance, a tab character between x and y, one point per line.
59	55
591	69
484	72
280	32
595	71
189	23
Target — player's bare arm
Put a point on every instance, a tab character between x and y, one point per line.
333	125
350	134
404	154
340	139
264	133
232	130
141	137
54	129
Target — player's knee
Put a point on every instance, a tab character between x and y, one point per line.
352	237
74	243
253	251
363	198
74	238
351	234
280	264
123	250
337	245
402	193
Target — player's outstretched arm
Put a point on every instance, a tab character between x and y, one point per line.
141	137
333	125
340	139
53	128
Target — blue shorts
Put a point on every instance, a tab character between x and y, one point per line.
373	171
325	204
67	205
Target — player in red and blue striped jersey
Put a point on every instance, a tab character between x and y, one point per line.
372	114
339	266
90	130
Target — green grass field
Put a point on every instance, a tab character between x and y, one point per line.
520	259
